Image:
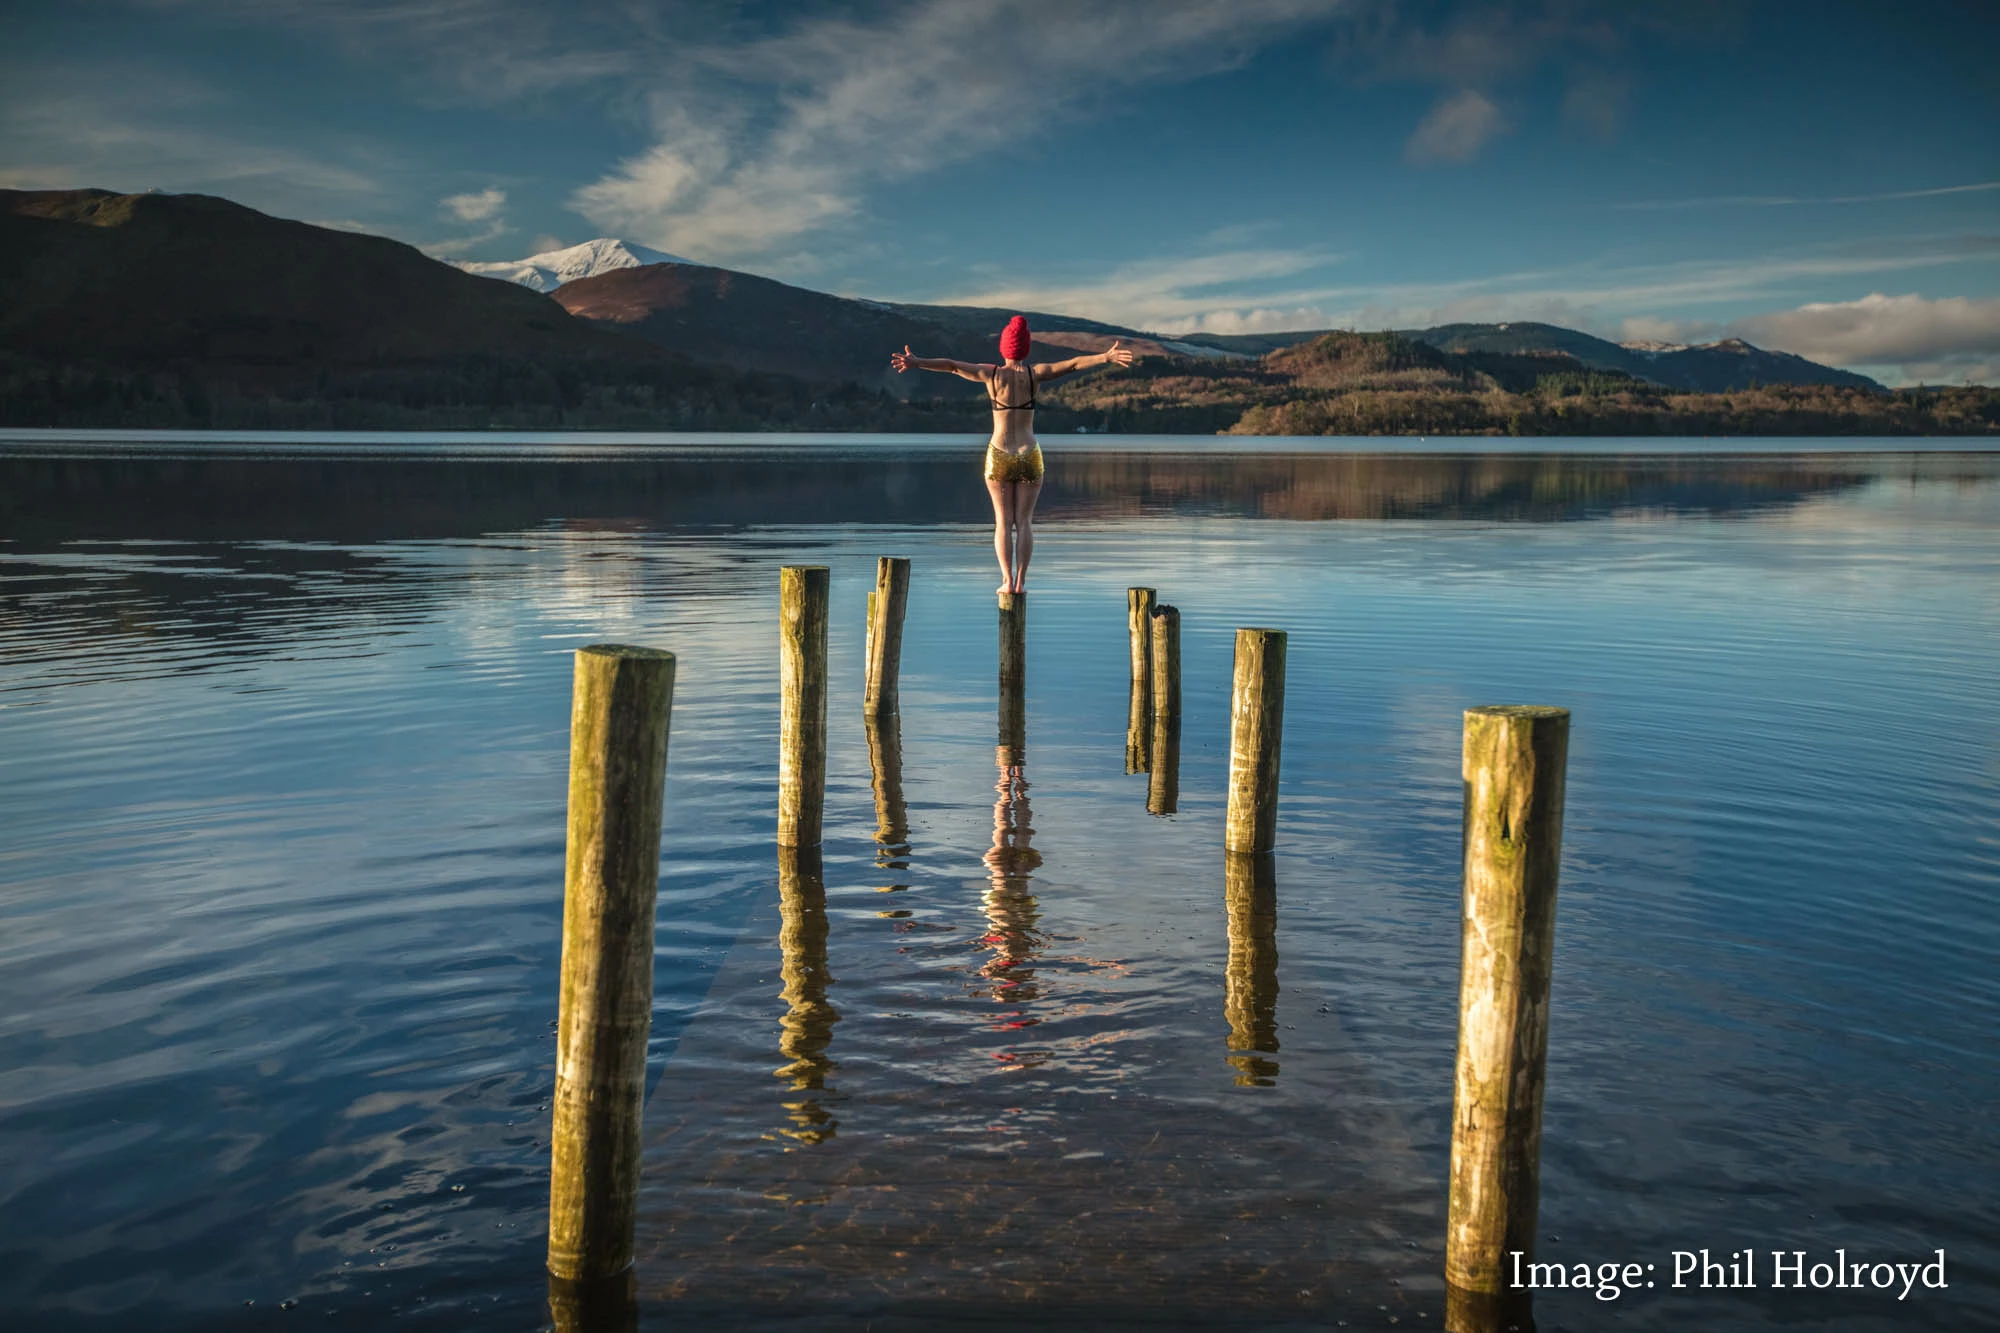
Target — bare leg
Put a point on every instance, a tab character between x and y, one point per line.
1003	521
1022	504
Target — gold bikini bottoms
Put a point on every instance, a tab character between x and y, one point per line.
1004	467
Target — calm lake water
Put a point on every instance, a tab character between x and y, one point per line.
283	734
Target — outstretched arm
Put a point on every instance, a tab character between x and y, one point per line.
1114	355
965	370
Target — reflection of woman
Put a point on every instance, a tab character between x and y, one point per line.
1010	908
1013	458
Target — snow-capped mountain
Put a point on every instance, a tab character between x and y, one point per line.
547	271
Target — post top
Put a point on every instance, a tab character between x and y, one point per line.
804	569
626	651
1526	711
1259	629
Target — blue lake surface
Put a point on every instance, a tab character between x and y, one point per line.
283	743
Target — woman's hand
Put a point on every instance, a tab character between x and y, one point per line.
1117	355
902	361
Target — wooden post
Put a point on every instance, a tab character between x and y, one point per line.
885	634
802	612
1164	791
620	708
806	1030
1014	672
1514	762
868	649
1139	604
1250	995
1256	734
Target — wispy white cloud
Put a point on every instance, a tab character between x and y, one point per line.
486	51
1456	129
1787	200
138	128
475	206
759	143
1242	291
1879	329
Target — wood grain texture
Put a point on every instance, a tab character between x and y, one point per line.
886	605
620	711
1256	737
1163	790
1139	603
1514	762
1014	673
802	615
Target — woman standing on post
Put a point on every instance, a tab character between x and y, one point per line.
1013	458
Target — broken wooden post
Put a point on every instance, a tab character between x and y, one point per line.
802	612
1139	604
1256	733
885	634
1513	767
620	707
1163	791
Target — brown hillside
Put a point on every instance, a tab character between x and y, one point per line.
719	316
157	280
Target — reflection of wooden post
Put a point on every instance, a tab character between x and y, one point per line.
1514	762
1250	997
802	598
885	765
1014	671
806	1030
1164	791
1139	712
619	712
1256	730
885	634
606	1305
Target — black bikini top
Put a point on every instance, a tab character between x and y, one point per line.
999	406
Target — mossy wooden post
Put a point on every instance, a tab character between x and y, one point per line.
1256	734
885	634
1014	671
1163	792
868	649
1514	762
802	611
1139	604
1250	994
619	712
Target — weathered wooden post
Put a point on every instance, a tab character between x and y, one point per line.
1164	790
1014	671
806	1030
1139	604
802	612
620	708
1250	995
1256	734
1514	763
885	634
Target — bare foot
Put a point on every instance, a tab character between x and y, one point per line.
1005	587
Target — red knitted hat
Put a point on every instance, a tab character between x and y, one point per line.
1014	339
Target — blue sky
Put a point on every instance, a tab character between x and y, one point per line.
1820	178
